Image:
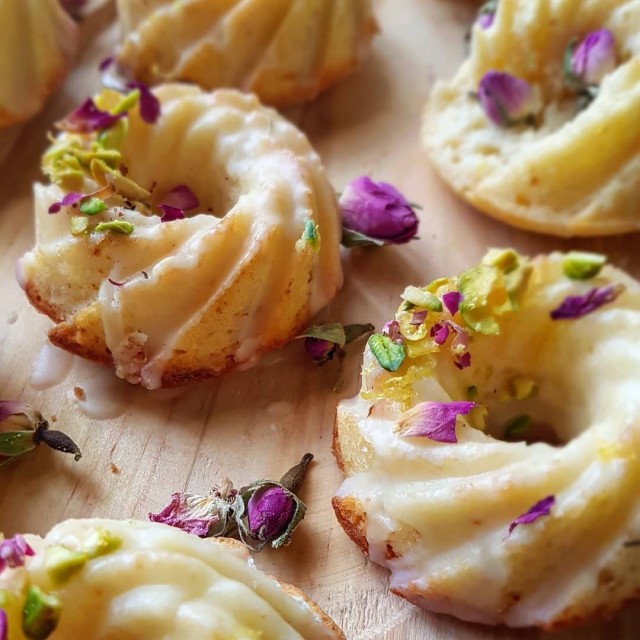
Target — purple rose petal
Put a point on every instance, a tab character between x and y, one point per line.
149	104
451	301
391	329
505	99
463	361
439	333
269	512
10	408
13	552
181	197
485	20
418	317
4	625
88	118
594	57
170	213
106	63
573	307
69	199
434	420
178	513
378	210
539	509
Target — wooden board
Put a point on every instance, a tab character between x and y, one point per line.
256	424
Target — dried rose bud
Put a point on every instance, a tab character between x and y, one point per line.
263	512
323	342
13	552
376	213
590	60
507	100
269	511
23	428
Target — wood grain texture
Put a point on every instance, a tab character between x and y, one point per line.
256	424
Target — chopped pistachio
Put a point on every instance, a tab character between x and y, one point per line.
92	206
79	225
127	103
422	298
504	259
582	265
472	392
310	236
389	354
40	615
121	227
61	563
100	543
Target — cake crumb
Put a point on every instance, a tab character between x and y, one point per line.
79	393
114	468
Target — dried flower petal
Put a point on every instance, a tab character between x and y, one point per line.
391	329
539	509
69	200
170	213
463	361
149	104
433	420
451	301
105	63
593	58
418	317
88	118
181	197
506	100
439	333
13	552
377	210
573	307
202	516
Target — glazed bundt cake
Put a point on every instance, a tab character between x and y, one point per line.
38	39
285	51
537	128
145	581
181	248
492	455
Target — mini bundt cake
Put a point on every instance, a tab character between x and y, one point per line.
38	40
537	128
102	579
492	455
181	248
285	51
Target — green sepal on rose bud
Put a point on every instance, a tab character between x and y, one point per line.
23	428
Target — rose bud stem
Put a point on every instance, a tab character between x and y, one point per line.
294	478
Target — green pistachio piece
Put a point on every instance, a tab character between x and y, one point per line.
310	234
121	227
79	225
517	426
127	103
40	615
92	206
482	298
100	543
582	265
389	354
61	563
504	259
472	392
422	298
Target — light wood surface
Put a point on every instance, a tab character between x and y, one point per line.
258	423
